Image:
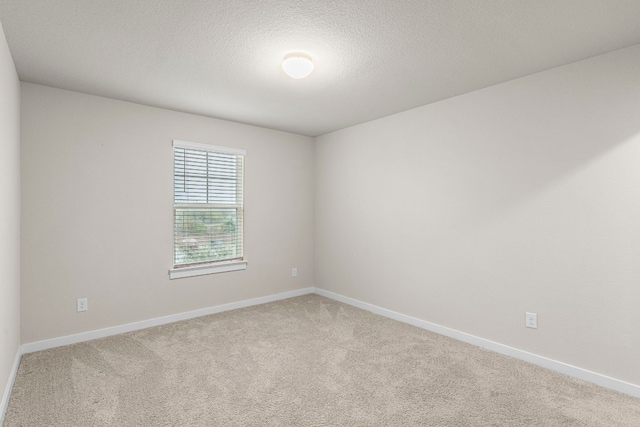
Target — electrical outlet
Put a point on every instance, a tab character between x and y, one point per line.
294	272
82	304
531	320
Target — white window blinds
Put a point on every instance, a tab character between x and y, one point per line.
208	203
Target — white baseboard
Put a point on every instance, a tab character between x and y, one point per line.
554	365
7	390
561	367
120	329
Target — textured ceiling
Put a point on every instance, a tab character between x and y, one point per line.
373	57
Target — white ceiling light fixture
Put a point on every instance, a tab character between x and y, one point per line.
297	65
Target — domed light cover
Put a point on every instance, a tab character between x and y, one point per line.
297	65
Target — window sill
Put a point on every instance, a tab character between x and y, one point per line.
200	270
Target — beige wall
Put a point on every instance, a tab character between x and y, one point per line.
9	213
97	212
523	196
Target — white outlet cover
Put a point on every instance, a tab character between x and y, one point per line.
294	272
531	320
82	304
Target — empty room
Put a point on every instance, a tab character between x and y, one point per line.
319	213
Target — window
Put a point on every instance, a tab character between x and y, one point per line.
208	209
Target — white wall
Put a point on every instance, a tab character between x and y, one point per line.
97	188
523	196
9	214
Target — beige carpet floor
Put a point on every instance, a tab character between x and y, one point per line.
305	361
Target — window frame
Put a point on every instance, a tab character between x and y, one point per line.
206	267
